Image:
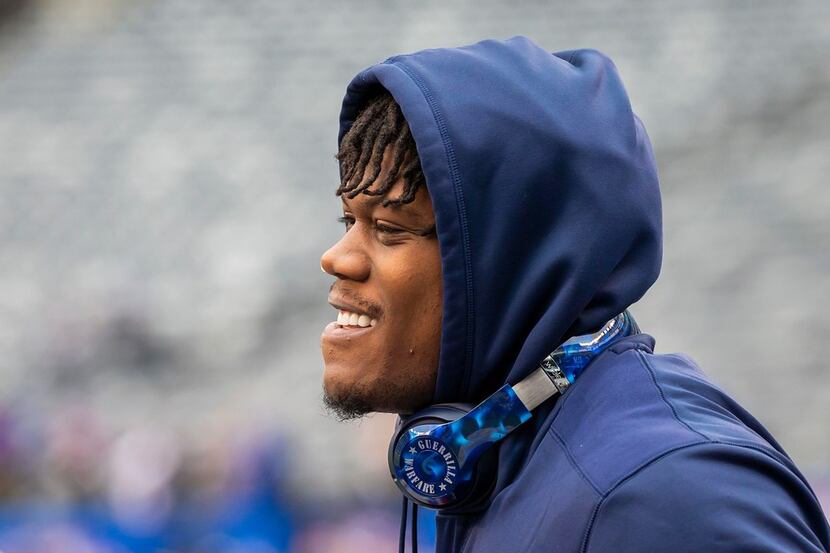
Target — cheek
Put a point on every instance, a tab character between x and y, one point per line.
415	298
415	277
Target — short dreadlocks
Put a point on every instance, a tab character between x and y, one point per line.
379	124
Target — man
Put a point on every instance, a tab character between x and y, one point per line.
498	200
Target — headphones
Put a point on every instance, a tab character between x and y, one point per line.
437	457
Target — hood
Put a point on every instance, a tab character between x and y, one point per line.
545	194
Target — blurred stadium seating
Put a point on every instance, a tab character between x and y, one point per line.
167	182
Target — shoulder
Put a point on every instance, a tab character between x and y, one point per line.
678	464
631	407
710	497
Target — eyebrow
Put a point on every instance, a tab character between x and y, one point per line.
374	201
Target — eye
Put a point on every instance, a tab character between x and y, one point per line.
386	229
386	233
347	220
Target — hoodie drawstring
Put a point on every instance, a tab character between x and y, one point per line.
402	538
414	528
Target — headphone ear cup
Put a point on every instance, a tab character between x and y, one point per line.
484	481
434	414
485	468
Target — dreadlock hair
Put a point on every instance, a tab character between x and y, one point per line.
379	124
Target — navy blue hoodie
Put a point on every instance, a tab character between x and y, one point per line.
548	217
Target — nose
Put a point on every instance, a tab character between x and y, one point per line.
346	259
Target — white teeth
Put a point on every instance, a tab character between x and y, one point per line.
347	318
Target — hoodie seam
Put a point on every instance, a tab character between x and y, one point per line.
572	461
645	466
586	541
462	219
770	452
647	366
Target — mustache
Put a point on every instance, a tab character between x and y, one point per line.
371	309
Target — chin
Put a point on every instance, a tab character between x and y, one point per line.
342	379
350	394
346	396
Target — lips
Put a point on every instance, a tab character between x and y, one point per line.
352	321
335	332
360	314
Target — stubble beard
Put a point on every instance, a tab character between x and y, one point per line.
358	400
346	407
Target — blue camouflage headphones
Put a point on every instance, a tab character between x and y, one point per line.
437	456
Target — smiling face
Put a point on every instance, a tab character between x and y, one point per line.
381	354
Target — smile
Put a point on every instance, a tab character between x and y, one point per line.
352	319
349	325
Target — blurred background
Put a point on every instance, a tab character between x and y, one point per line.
166	188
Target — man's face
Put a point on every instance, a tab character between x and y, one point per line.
382	355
